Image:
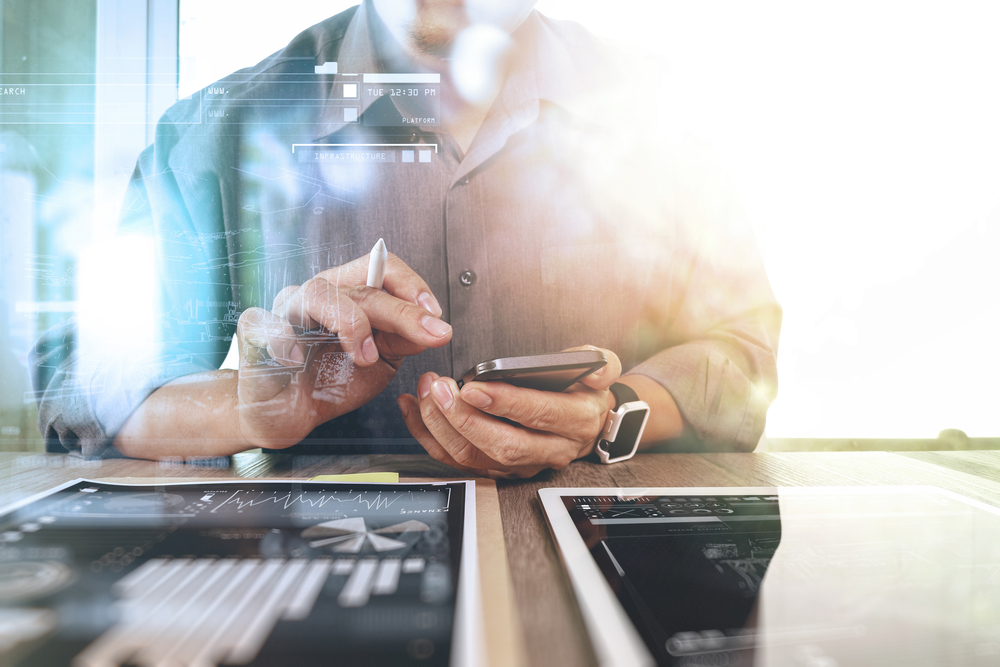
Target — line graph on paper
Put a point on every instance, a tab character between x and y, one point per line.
331	503
288	505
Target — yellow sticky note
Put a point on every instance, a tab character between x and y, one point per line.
373	477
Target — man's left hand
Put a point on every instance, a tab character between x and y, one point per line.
463	429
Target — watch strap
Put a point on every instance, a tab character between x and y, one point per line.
623	394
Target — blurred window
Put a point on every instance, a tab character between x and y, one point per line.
47	76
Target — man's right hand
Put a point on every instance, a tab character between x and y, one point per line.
291	381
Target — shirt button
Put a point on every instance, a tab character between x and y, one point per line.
467	278
465	181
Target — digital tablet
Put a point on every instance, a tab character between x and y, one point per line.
782	576
241	572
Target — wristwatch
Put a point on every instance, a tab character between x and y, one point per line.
621	434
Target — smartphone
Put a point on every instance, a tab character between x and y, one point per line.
546	372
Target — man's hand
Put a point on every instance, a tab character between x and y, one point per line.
290	381
464	428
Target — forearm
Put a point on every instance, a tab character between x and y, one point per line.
194	415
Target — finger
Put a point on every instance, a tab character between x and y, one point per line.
410	409
394	346
392	314
259	330
251	336
352	313
574	414
282	295
458	447
319	303
438	426
605	376
400	281
509	445
435	449
405	283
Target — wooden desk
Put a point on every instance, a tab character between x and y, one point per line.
551	623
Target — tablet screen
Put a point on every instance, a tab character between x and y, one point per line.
801	577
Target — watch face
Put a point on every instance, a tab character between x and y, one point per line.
628	434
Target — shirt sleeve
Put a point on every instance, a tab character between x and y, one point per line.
712	314
173	213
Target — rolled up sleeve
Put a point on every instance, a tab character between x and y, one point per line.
84	399
84	403
712	315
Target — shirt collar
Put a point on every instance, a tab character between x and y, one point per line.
572	69
555	62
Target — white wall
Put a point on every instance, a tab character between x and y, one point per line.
863	138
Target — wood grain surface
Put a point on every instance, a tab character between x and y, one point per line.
553	631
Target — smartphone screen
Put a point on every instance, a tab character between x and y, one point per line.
545	372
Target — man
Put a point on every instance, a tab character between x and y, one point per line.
536	218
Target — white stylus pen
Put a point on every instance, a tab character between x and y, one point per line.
376	265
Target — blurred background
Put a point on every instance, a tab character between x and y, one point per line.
862	138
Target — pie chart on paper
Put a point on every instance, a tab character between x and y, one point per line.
351	535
